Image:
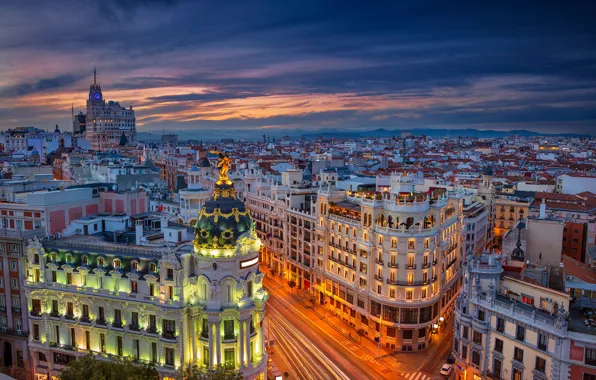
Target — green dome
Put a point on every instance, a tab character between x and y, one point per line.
222	220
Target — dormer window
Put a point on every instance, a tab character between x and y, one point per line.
134	265
152	267
100	261
53	256
68	258
116	263
84	260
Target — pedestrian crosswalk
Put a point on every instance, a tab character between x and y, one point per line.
417	376
370	358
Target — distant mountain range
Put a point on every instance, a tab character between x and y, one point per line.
257	134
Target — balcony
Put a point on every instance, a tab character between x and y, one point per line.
35	313
69	317
7	331
100	322
62	346
117	324
378	278
152	330
16	310
54	314
205	334
85	319
134	327
410	266
2	309
392	282
169	335
229	338
393	265
380	262
425	265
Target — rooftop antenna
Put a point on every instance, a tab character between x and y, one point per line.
94	75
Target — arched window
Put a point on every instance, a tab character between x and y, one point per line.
151	267
134	265
84	259
116	263
100	261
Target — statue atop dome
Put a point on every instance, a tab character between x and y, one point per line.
224	166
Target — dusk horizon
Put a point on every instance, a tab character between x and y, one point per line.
187	66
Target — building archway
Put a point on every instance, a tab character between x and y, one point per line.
7	354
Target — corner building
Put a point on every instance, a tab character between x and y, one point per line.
388	262
200	303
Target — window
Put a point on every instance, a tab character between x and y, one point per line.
476	358
69	278
35	331
134	265
465	333
540	364
407	334
477	337
13	265
102	342
411	244
518	354
481	315
423	293
116	263
516	374
151	267
409	294
590	356
117	318
497	365
229	329
205	356
100	261
520	333
498	345
464	352
542	342
229	358
410	278
500	325
170	356
119	345
133	286
14	283
528	299
589	376
84	260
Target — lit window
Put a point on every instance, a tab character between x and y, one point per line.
116	263
100	262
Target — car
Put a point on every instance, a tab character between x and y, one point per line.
446	369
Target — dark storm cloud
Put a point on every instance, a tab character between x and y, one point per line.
430	63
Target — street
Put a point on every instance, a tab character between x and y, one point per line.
313	344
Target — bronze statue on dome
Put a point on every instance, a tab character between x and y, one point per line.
224	166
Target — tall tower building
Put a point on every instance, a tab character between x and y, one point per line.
107	121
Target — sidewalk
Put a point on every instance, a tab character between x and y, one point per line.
396	360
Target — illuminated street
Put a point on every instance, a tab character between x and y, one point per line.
308	347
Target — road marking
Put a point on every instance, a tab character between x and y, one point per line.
417	376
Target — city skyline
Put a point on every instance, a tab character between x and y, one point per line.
187	65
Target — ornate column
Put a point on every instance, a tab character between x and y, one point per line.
211	345
193	329
218	341
242	342
248	352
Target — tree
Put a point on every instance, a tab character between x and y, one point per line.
218	373
90	368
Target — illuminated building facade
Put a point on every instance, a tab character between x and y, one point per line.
107	121
200	303
388	262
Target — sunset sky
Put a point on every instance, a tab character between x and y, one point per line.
276	65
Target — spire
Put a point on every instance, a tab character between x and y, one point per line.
94	75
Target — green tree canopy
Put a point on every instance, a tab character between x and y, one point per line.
89	368
217	373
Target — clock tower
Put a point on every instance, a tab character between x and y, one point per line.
95	90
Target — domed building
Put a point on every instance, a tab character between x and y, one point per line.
226	248
199	303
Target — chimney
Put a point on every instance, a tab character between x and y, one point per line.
543	209
138	231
